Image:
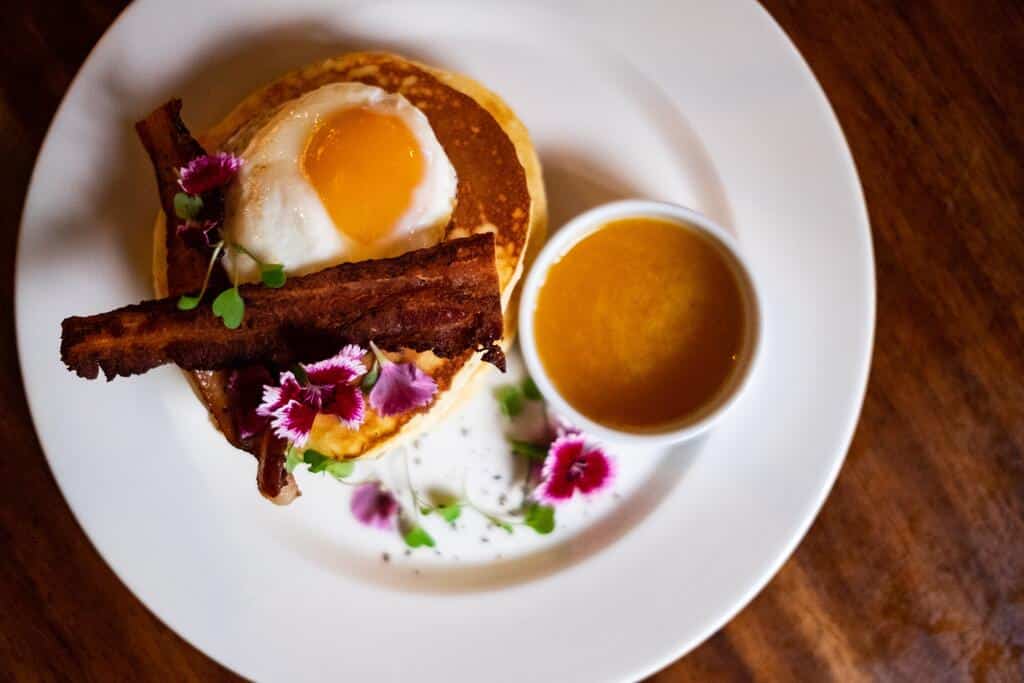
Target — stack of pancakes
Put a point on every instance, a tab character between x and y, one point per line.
500	190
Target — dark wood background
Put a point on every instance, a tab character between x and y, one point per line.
915	568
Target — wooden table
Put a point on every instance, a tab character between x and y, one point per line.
915	568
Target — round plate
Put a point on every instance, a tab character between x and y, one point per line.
704	104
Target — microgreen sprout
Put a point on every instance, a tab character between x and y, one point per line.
187	303
540	518
510	400
529	450
229	305
318	462
417	536
530	390
271	274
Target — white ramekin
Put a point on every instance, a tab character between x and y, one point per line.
590	221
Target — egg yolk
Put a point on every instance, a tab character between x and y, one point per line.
365	166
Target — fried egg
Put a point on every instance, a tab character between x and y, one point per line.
347	172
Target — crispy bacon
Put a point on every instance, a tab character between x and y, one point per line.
272	479
444	298
171	146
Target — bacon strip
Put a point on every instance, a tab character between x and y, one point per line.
170	146
272	479
444	298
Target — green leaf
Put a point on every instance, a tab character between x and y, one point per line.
450	512
417	536
370	378
272	275
510	398
502	524
187	303
292	460
529	450
229	307
339	469
530	390
540	518
186	206
425	510
318	462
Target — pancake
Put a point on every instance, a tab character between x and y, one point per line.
500	190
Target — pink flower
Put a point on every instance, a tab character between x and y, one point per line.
400	387
373	506
208	172
332	390
573	466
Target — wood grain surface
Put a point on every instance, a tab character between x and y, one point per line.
914	569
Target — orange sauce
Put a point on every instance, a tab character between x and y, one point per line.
640	324
365	166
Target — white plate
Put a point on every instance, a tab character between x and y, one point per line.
704	104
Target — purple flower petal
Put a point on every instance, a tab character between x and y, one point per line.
275	398
573	466
373	506
312	396
341	369
598	475
400	388
294	422
347	405
294	407
208	172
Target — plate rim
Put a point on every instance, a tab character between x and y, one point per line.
812	507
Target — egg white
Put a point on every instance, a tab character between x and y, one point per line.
274	212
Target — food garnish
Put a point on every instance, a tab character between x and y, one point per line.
510	400
329	387
208	172
561	464
202	175
573	466
399	387
374	506
318	462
